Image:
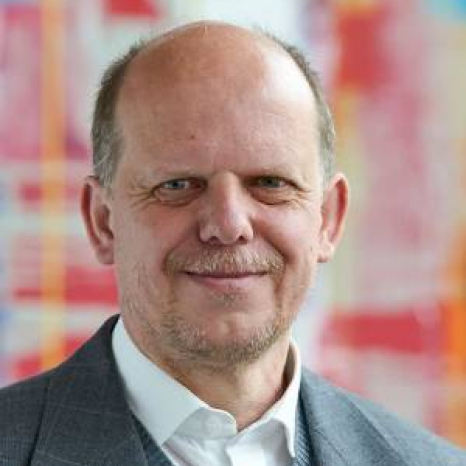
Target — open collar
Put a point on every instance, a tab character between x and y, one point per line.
164	406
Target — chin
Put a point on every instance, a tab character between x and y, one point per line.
231	341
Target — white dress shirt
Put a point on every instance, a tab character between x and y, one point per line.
189	431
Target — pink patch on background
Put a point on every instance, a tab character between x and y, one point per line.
85	281
20	52
90	285
28	195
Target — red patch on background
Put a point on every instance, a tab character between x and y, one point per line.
396	330
363	62
149	8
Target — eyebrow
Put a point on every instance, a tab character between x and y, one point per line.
149	176
284	169
170	171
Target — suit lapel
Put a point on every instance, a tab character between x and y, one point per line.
339	435
311	448
86	420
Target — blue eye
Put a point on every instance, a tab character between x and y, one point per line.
176	185
272	189
271	182
178	191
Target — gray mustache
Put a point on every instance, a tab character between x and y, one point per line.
209	261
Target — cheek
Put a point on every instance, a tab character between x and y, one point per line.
136	251
146	236
296	235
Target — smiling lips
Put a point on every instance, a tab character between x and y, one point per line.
225	281
225	275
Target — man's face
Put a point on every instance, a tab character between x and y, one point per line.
216	206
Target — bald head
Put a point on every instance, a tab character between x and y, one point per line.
206	64
204	54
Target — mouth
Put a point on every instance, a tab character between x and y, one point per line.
224	275
226	281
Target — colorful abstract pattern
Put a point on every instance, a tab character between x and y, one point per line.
388	318
397	326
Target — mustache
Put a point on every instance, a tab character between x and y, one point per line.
212	261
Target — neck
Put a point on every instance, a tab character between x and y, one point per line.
246	392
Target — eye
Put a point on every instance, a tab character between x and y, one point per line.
176	185
179	190
271	182
271	189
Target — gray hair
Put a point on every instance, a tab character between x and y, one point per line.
107	140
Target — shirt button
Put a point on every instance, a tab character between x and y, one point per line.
212	426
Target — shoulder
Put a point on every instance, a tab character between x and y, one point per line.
21	407
24	405
364	422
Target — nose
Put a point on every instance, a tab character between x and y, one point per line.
225	217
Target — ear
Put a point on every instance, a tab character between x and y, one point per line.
96	212
334	208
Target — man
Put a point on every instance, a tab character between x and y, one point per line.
214	196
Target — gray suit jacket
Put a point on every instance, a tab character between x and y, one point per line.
76	415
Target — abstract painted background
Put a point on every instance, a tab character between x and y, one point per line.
388	317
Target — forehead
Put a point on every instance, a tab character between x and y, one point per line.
215	93
205	54
204	63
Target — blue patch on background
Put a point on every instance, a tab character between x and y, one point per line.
3	196
449	8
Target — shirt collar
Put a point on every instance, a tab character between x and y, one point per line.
284	410
156	399
163	405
